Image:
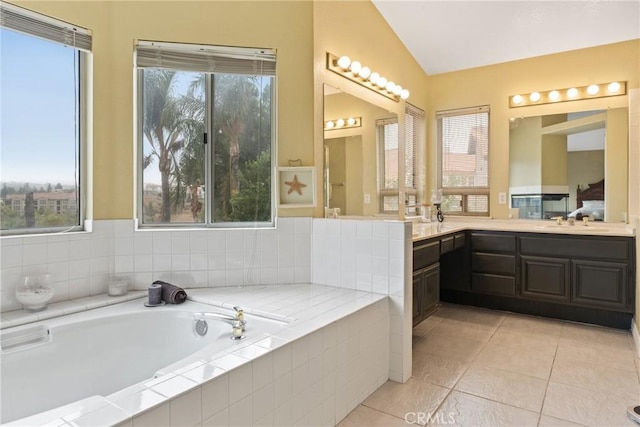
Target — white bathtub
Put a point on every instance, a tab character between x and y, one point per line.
55	362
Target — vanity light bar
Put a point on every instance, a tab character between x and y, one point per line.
601	90
364	76
351	122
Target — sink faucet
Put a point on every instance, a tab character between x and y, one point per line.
558	219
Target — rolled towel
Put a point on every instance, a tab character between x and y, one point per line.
171	294
155	294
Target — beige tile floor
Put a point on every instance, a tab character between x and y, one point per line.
477	367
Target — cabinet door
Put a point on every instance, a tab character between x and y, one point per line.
546	278
431	291
418	287
600	284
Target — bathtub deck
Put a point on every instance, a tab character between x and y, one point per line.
306	307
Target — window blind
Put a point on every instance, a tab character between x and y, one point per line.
34	24
206	59
463	137
413	121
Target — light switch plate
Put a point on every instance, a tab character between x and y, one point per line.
502	198
367	198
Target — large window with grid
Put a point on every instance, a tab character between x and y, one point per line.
389	160
463	160
43	115
206	123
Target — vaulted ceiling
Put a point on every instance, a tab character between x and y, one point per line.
450	35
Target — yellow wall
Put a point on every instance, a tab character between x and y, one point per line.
525	155
492	85
285	26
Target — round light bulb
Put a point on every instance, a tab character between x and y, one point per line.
330	125
344	62
382	82
355	67
572	93
374	77
340	123
534	96
397	90
390	86
517	99
351	121
365	72
404	94
593	89
554	95
613	87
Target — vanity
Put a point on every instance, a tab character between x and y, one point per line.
584	274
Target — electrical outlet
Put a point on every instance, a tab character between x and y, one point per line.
502	198
367	199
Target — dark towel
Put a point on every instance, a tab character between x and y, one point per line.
171	294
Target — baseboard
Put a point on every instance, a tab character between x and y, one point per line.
636	336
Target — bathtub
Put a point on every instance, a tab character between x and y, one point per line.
55	362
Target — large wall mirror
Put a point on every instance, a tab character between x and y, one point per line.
351	153
570	165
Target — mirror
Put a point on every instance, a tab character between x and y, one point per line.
569	165
350	154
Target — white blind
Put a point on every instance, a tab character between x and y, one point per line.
463	137
34	24
414	119
206	59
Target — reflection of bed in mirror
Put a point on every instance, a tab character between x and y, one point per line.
590	201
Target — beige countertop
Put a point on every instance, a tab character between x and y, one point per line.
423	231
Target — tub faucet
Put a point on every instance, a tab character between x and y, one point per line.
232	320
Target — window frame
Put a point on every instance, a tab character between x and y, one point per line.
208	204
52	30
463	192
395	192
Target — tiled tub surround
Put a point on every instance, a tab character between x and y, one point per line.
313	371
82	263
367	255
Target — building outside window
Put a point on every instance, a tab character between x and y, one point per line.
206	122
388	149
463	160
43	113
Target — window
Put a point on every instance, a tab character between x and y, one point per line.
463	144
43	122
389	174
206	122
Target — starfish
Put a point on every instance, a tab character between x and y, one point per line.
295	185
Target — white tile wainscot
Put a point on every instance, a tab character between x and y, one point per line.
372	256
314	371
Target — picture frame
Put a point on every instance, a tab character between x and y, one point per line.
296	187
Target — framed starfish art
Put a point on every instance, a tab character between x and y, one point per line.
296	186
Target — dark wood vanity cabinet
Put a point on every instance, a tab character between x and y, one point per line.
584	278
588	271
426	292
493	263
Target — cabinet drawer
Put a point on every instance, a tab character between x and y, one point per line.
447	244
459	240
481	242
493	263
493	284
425	253
572	247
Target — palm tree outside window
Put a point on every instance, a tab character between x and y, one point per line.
205	119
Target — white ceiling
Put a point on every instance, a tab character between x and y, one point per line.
450	35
